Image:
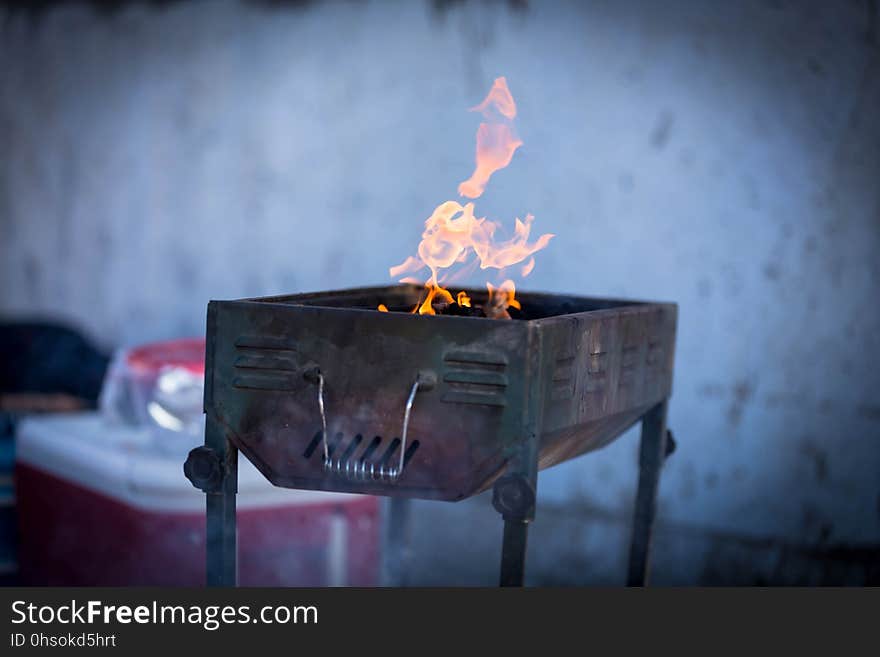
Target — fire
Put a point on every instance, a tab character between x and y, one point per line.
500	299
434	291
496	142
454	235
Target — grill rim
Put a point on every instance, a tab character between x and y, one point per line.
613	304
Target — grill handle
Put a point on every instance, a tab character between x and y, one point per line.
360	470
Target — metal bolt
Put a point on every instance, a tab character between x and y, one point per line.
513	496
203	469
427	379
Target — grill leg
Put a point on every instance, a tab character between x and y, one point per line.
513	552
652	453
222	543
513	496
397	547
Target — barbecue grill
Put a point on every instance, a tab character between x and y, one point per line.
321	391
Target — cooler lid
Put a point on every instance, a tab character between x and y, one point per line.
118	461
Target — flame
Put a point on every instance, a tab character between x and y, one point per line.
454	235
500	299
498	99
452	232
410	264
503	254
496	141
434	291
383	308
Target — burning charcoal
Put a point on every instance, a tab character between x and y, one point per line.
472	312
495	309
461	311
497	304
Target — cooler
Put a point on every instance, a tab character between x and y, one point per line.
98	505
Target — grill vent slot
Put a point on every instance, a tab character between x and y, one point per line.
597	371
629	365
333	443
475	378
353	445
563	378
389	452
312	446
388	457
265	362
372	447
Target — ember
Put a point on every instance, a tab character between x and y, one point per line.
455	237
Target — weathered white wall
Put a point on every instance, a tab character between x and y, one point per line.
722	155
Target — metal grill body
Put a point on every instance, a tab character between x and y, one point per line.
497	401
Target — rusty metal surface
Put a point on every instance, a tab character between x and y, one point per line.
568	378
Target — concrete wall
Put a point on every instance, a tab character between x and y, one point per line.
722	155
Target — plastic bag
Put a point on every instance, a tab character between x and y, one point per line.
159	386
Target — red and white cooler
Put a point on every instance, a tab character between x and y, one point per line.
100	507
105	503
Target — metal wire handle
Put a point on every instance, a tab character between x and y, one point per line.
323	416
361	470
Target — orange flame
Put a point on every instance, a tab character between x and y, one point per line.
500	299
453	235
496	142
452	231
434	291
